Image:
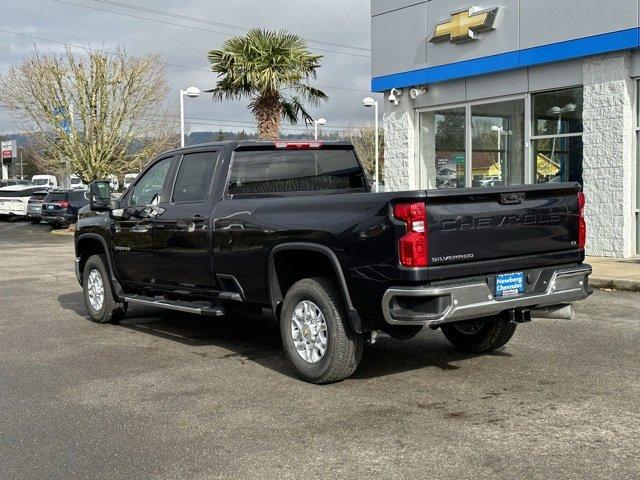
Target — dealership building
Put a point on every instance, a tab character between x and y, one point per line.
511	92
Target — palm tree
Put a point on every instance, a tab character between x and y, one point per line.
273	70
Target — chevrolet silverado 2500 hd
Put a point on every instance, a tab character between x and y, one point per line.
292	226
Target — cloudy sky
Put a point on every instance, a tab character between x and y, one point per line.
182	32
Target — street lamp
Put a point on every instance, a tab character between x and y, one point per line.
553	111
191	92
501	131
320	121
370	102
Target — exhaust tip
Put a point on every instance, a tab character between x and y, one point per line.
560	312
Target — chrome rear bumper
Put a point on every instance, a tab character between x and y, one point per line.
436	305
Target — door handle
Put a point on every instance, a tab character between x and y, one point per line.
139	229
198	219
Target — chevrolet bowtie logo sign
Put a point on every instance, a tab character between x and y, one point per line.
465	25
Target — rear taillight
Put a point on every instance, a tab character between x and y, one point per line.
412	247
63	203
582	224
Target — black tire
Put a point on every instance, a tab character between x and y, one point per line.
35	220
343	345
480	335
111	310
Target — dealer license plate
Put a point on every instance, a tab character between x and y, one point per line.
510	284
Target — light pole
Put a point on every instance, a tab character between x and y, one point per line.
191	92
568	108
370	102
501	131
320	121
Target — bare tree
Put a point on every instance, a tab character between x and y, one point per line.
98	112
363	139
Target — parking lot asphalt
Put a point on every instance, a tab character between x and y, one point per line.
170	396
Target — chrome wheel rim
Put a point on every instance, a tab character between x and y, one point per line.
309	331
95	290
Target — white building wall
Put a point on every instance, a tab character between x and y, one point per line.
608	165
399	146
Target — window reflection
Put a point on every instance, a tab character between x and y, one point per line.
498	143
557	113
557	135
442	149
558	159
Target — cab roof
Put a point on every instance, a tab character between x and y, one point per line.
266	144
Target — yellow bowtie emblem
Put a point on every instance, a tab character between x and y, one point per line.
464	25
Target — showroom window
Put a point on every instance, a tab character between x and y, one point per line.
495	137
442	148
556	135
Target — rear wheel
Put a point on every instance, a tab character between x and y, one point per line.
316	333
480	335
35	219
98	295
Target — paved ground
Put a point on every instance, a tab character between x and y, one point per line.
168	395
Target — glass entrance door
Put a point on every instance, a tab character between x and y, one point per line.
498	143
476	145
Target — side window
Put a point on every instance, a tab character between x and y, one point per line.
194	177
278	171
149	187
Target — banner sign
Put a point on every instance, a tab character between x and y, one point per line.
9	151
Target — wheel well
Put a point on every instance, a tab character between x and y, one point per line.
293	265
86	248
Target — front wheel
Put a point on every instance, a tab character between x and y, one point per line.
316	334
97	293
480	335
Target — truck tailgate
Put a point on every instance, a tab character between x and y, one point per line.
482	224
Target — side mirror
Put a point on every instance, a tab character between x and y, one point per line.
117	212
99	196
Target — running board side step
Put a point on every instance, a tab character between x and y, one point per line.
199	308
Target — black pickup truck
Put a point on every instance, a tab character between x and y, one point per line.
293	227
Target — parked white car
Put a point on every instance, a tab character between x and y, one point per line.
14	200
47	181
129	178
113	183
75	183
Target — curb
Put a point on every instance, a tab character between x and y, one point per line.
615	284
62	233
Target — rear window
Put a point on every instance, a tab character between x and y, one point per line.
279	171
38	196
80	196
56	196
27	192
194	177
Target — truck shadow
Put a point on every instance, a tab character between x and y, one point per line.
251	337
